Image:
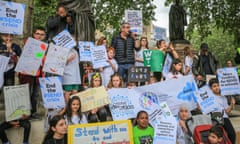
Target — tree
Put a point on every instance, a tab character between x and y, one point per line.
224	14
108	13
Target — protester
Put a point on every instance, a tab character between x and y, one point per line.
131	85
188	60
13	51
57	131
97	114
142	131
116	81
215	135
74	114
205	64
223	107
71	75
124	45
152	80
176	69
139	51
102	41
57	23
182	131
111	68
38	34
23	122
229	63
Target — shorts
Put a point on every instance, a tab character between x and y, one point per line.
70	87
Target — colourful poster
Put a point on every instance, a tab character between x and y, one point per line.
134	18
52	92
93	98
115	132
153	59
31	57
11	17
56	59
17	101
85	50
229	81
64	39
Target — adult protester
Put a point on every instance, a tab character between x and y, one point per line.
188	61
205	64
124	45
38	34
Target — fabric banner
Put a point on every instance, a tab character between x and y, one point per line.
99	56
228	81
134	18
153	59
11	17
52	92
125	103
115	132
138	74
93	98
31	57
167	65
64	39
56	59
85	50
206	100
17	101
3	68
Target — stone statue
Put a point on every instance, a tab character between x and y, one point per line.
83	18
177	21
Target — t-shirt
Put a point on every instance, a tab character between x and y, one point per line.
222	105
170	75
141	136
139	54
108	71
76	120
71	73
56	141
188	63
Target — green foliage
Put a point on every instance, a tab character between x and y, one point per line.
220	44
225	14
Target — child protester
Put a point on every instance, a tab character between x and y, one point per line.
215	136
112	68
176	69
223	107
142	132
73	112
116	81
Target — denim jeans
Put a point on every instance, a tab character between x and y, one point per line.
123	70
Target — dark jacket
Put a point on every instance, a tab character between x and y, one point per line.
124	49
197	67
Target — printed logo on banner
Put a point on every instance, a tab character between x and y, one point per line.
187	94
148	99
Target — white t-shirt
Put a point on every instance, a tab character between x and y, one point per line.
223	104
75	120
108	71
188	63
170	75
139	54
71	74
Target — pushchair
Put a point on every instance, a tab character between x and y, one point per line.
198	128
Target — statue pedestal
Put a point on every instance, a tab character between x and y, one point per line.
180	49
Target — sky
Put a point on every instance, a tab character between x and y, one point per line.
161	15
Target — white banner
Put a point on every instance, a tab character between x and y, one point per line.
52	92
228	81
134	18
31	57
56	59
11	17
17	101
64	39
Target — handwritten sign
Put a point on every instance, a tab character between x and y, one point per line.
116	132
3	67
228	80
85	50
159	33
99	56
31	57
167	65
64	39
93	98
134	18
11	17
52	92
153	59
138	74
165	130
17	101
206	100
56	59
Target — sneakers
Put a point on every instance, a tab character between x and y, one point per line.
35	116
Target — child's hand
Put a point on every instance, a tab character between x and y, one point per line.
14	123
101	69
94	111
73	56
233	101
